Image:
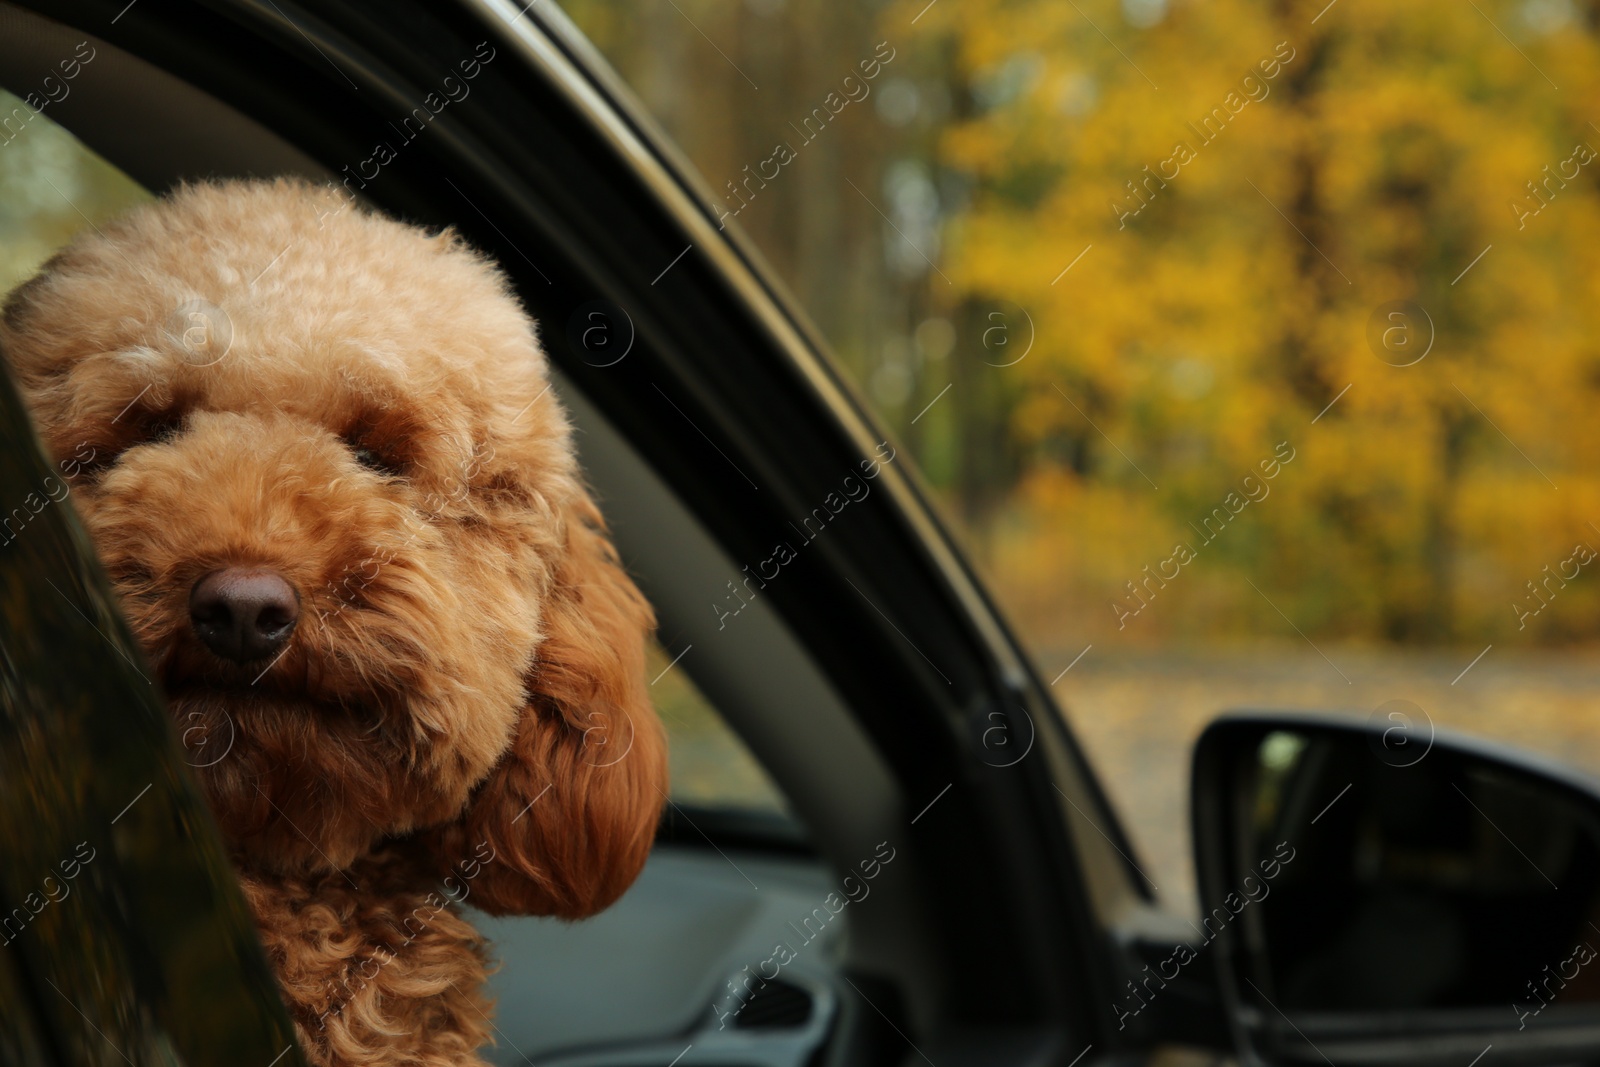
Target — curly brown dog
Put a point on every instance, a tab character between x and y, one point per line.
316	452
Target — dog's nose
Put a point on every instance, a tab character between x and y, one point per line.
244	613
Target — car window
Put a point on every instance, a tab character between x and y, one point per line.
1248	349
52	186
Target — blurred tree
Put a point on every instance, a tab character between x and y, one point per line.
1199	213
1299	165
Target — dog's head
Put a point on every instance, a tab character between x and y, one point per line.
317	454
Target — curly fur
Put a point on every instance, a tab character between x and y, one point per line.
463	697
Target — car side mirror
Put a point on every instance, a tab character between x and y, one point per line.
1375	894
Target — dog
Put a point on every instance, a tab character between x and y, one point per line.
316	450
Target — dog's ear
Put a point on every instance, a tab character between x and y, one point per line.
563	824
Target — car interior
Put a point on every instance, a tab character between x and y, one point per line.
669	968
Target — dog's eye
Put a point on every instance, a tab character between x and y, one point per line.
96	463
375	461
146	428
162	429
